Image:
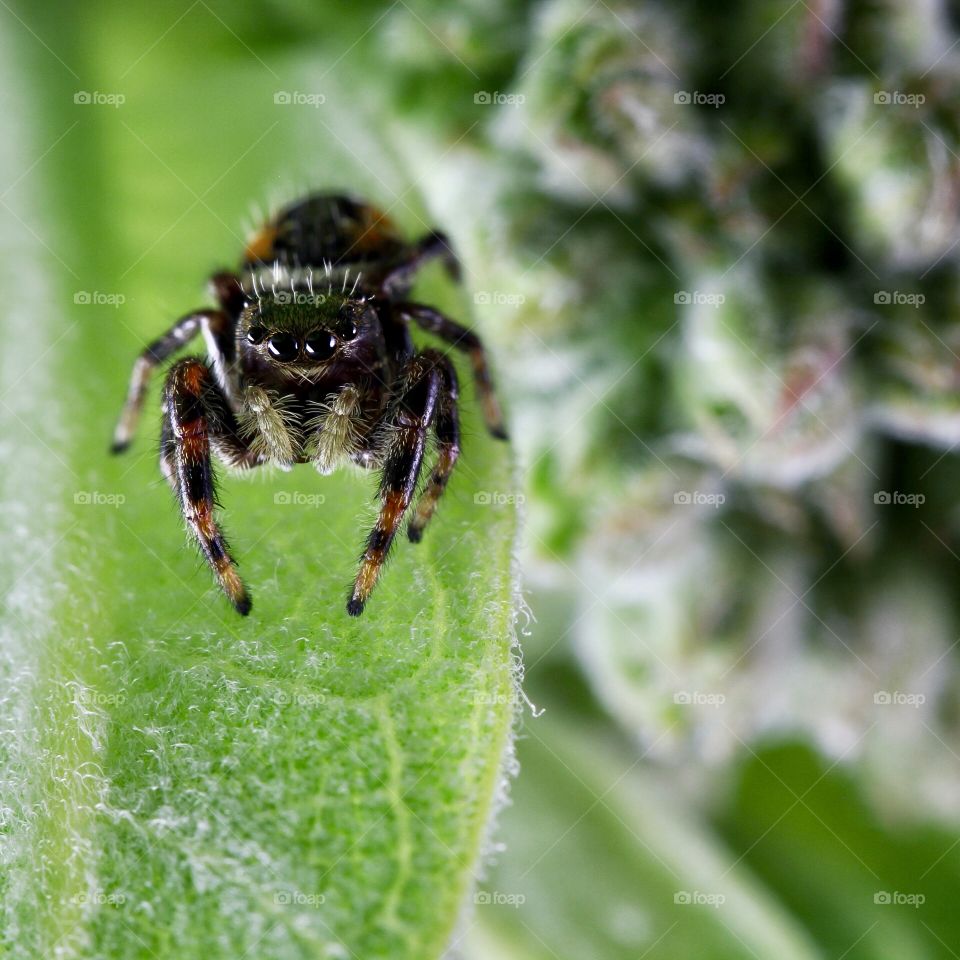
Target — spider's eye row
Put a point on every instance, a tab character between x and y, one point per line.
283	347
320	345
317	345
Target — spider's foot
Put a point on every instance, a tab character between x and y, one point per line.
415	532
232	585
242	604
355	606
492	415
118	446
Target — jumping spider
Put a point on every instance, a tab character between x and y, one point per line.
311	361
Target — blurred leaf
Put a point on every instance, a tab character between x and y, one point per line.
615	867
862	888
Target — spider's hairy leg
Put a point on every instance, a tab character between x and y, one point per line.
227	288
466	340
429	247
214	324
225	441
337	428
447	428
195	407
406	433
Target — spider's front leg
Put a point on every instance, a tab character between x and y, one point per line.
446	425
431	320
406	429
195	412
217	328
430	247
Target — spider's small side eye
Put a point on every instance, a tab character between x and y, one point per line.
256	334
320	345
347	321
283	347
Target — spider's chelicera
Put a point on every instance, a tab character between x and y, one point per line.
311	361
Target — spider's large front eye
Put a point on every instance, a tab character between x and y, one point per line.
256	334
283	347
320	345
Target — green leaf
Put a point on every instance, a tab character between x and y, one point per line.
177	781
667	887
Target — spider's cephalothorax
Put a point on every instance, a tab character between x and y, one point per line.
311	361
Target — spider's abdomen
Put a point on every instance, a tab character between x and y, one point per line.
325	228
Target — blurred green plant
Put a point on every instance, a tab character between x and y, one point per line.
718	252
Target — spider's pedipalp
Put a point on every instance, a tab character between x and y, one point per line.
337	429
268	425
